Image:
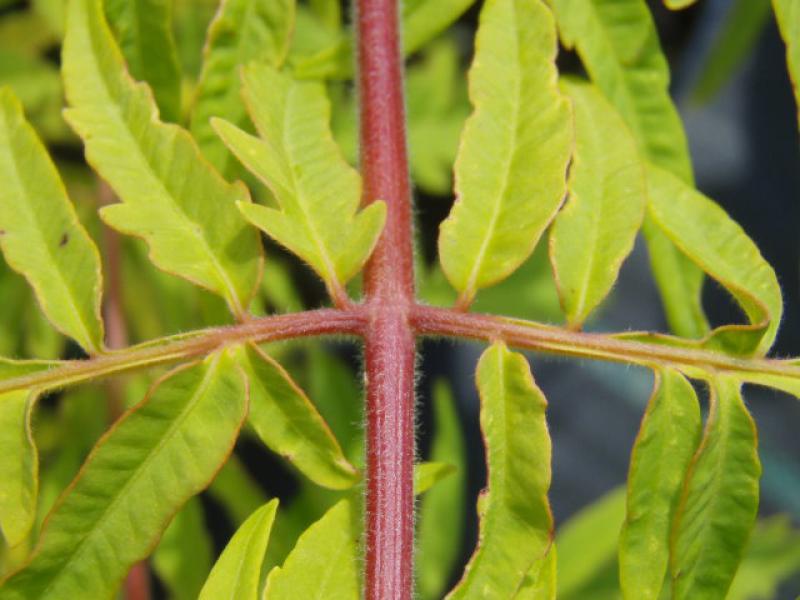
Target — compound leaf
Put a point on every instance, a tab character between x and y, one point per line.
40	234
596	229
143	29
19	466
664	447
289	424
297	158
511	166
170	196
237	572
719	501
161	453
516	525
323	563
242	31
787	13
618	43
708	236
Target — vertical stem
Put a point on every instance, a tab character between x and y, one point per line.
389	287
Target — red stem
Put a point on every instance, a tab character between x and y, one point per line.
389	286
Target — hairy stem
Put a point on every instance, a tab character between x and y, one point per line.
556	340
193	345
389	286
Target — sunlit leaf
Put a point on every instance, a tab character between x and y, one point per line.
719	501
666	442
678	4
170	196
40	234
540	582
184	554
10	369
242	31
618	43
511	166
328	11
160	454
706	234
441	510
790	385
596	229
323	564
516	525
787	13
287	421
237	573
738	34
423	20
19	466
143	29
297	158
588	542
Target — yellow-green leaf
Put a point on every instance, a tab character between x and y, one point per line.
511	166
297	158
171	197
666	442
40	234
678	4
237	573
423	20
19	466
787	13
516	525
323	563
540	582
286	421
242	31
596	229
161	453
143	29
618	43
708	236
719	501
428	474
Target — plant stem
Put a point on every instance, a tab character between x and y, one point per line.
389	286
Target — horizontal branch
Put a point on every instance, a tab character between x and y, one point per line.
193	345
555	340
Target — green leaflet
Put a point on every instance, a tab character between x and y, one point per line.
170	196
787	13
161	453
540	582
237	573
588	542
323	563
143	29
40	234
329	12
678	4
744	21
596	229
235	489
511	165
19	466
441	510
10	369
664	447
618	43
184	554
297	158
423	20
290	425
242	31
705	233
428	474
790	385
719	501
516	525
